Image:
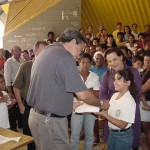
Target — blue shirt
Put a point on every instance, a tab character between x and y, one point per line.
99	71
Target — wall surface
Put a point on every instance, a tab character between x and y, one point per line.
109	12
65	14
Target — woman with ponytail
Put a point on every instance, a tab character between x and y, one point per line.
121	112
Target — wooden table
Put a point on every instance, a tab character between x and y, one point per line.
12	145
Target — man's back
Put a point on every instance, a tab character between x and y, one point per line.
52	81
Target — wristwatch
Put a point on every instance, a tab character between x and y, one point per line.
101	103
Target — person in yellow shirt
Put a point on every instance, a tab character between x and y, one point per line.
119	29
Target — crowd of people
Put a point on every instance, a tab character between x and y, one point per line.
91	67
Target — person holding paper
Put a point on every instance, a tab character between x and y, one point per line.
121	112
82	115
54	80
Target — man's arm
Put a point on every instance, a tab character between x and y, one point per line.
19	100
89	98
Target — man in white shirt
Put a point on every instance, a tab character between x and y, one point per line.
11	67
135	31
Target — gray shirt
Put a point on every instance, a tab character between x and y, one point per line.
54	79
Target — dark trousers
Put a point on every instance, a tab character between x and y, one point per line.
26	129
13	112
14	116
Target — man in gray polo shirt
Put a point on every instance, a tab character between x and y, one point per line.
54	79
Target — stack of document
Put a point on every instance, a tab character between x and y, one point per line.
85	108
4	139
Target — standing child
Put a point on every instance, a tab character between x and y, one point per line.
85	119
121	112
4	102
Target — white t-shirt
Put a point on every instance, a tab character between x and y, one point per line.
92	81
122	109
131	48
4	121
135	35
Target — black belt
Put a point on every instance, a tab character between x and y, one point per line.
120	130
47	114
83	113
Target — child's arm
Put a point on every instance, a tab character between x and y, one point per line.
12	104
119	123
145	105
145	88
3	99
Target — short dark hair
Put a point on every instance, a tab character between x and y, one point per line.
51	33
25	51
70	34
132	35
96	39
118	23
137	58
86	55
134	24
114	50
110	35
120	33
15	47
146	53
37	43
141	34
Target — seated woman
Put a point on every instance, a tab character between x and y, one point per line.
127	33
110	42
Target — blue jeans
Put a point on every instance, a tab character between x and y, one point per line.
87	121
120	140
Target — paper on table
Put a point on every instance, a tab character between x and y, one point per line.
4	139
86	108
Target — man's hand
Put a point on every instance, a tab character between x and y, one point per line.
22	109
76	104
11	95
